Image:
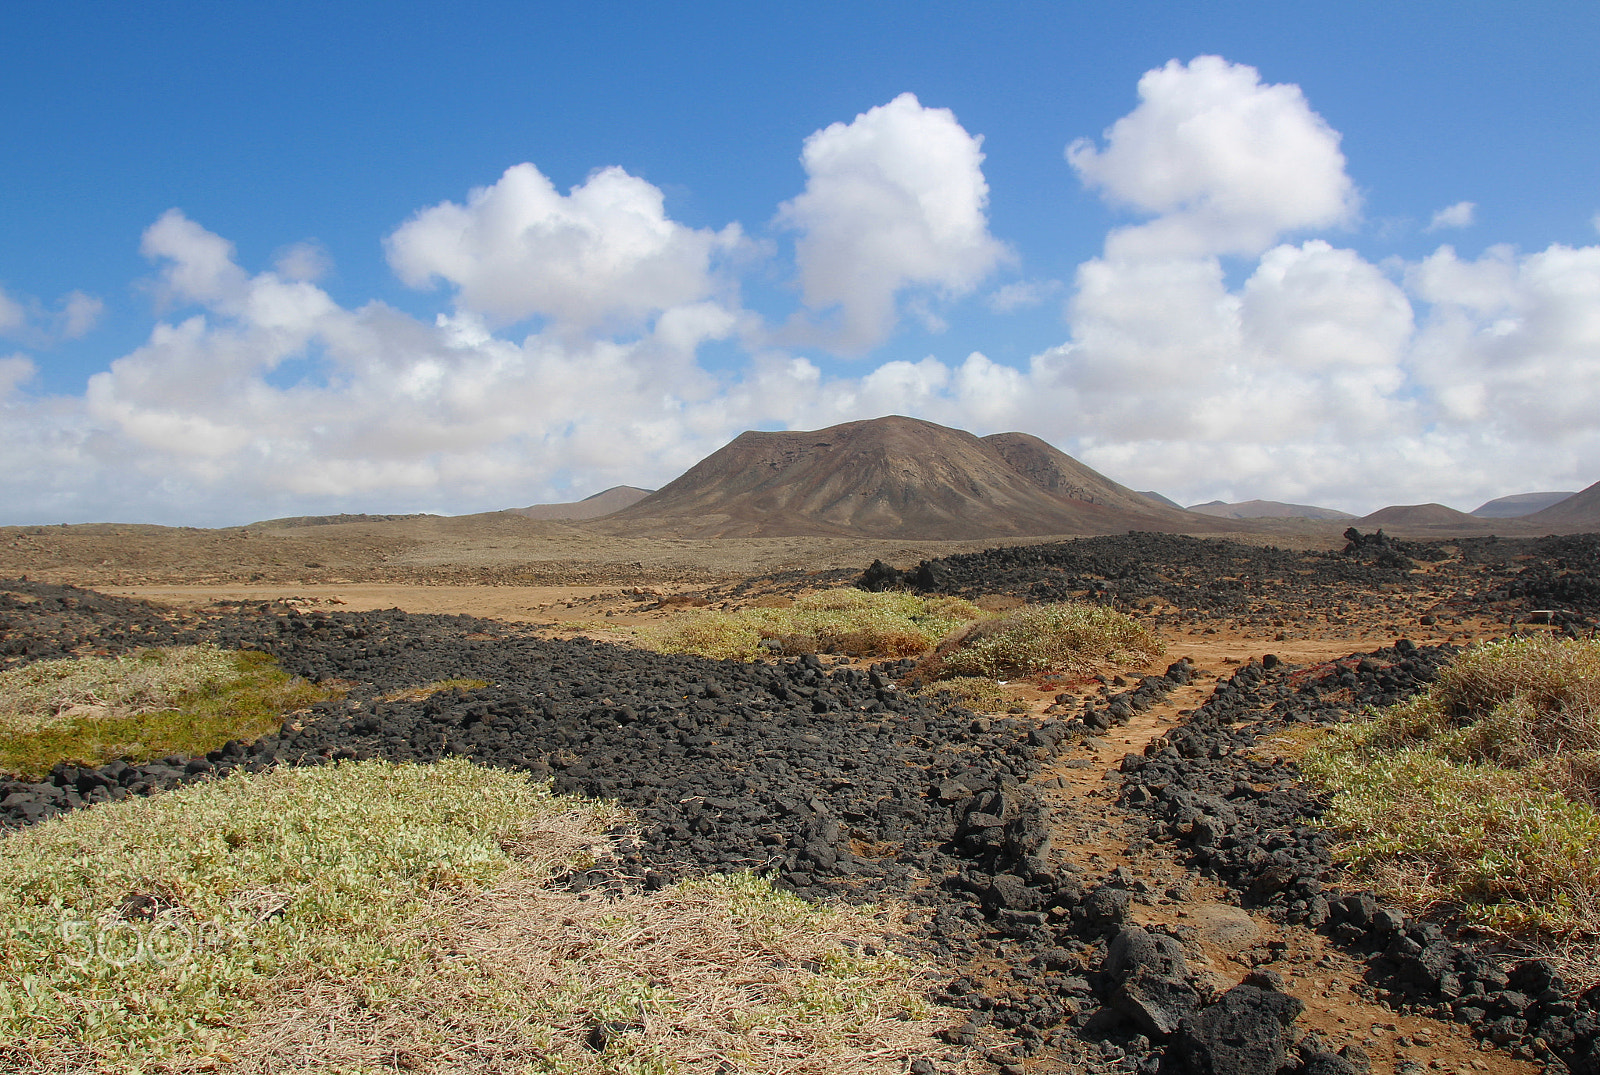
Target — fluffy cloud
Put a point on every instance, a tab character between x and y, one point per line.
269	395
605	252
1226	164
895	199
1296	370
1459	215
1511	343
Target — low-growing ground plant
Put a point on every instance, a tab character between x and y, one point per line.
370	916
1073	638
438	686
1481	793
974	692
142	705
844	621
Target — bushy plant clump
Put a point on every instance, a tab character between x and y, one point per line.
1070	638
845	621
142	705
1482	792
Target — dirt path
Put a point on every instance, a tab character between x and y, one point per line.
1223	940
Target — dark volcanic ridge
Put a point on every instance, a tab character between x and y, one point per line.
893	477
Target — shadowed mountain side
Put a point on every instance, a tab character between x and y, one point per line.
1518	505
1059	473
1166	502
1422	515
890	477
1267	509
591	507
1580	511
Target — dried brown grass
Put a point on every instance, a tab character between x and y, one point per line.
713	976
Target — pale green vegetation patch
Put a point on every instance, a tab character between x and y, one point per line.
1482	791
974	692
366	917
143	705
1071	638
36	695
844	621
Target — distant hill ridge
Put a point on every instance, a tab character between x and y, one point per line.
1518	505
1421	515
590	507
893	477
335	520
1267	509
1580	511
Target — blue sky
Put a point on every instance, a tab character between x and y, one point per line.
1337	254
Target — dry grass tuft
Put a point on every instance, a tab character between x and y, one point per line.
974	692
709	976
1481	793
370	917
438	686
845	621
1066	639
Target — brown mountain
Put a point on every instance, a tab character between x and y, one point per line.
590	507
1267	509
1063	475
892	477
1421	515
1580	511
1518	505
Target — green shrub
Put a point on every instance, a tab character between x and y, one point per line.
1481	792
1070	638
844	621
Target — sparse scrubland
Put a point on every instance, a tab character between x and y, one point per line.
1073	638
1482	793
368	916
843	621
1067	638
153	702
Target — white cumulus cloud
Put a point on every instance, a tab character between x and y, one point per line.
1213	348
1459	215
1226	163
895	199
604	252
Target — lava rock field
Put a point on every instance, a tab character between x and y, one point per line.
835	781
